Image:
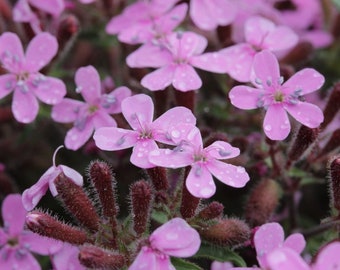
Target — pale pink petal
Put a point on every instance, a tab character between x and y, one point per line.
50	90
140	32
308	80
306	113
245	97
22	12
103	119
231	175
145	260
186	44
222	150
40	244
88	83
76	138
7	84
67	110
11	52
67	258
282	38
112	102
284	258
296	242
171	19
170	158
266	66
276	124
267	238
213	61
200	182
186	78
159	79
138	111
328	257
54	7
112	138
9	258
175	134
149	55
40	51
216	265
76	177
319	38
13	214
176	238
257	29
24	106
3	237
140	153
158	7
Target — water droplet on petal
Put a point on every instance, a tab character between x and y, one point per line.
206	192
268	127
175	133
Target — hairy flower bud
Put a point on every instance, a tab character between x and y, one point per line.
46	225
332	143
158	178
262	202
211	211
98	258
77	202
68	28
332	107
189	203
335	183
227	232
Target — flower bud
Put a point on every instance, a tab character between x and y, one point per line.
211	211
262	202
98	258
332	143
68	28
158	178
335	183
189	203
299	53
46	225
332	107
77	202
227	232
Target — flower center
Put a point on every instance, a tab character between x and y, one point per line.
13	241
278	96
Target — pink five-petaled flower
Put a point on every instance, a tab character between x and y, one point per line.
16	243
204	163
277	97
91	114
260	34
174	238
24	78
138	111
32	195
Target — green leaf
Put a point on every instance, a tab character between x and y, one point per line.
159	216
181	264
221	254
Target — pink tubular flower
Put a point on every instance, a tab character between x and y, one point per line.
138	111
144	21
16	244
174	238
208	14
32	195
91	114
24	79
277	97
260	34
204	162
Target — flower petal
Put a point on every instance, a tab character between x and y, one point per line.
13	257
306	113
67	110
213	61
169	21
140	153
159	79
266	66
11	52
256	29
113	139
76	138
50	90
200	182
24	106
328	257
118	95
296	242
7	84
54	7
186	78
40	51
170	158
88	83
176	238
103	119
76	177
276	124
284	258
222	150
186	44
13	214
22	12
40	244
67	258
282	38
245	97
145	260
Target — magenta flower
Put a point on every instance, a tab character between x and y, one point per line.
174	238
138	112
32	195
16	243
67	258
24	79
91	114
260	34
208	14
175	58
278	98
144	21
205	163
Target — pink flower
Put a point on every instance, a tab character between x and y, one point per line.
16	243
205	163
144	21
277	97
174	238
260	34
208	14
138	111
221	265
91	114
175	58
32	195
24	79
67	258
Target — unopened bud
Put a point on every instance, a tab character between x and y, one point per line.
211	211
227	232
299	53
47	225
68	28
262	202
141	199
335	183
98	258
77	202
332	143
332	106
189	202
158	178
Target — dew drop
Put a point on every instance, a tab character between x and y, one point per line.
206	192
175	133
268	127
